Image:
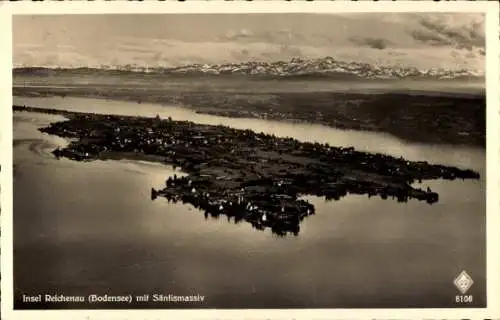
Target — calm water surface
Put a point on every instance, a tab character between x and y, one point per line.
92	228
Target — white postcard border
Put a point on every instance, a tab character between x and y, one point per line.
493	151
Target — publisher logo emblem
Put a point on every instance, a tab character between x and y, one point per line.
463	282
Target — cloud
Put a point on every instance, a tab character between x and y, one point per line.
290	51
429	37
443	32
470	55
374	43
396	53
283	36
241	34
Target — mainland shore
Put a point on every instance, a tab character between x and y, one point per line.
417	117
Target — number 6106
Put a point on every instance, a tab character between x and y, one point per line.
463	298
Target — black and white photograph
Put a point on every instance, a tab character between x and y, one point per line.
249	160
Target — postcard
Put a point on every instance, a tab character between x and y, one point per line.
316	160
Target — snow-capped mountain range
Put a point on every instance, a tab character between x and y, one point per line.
327	67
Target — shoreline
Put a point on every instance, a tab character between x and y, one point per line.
244	175
413	117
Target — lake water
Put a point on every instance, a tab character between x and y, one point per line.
92	228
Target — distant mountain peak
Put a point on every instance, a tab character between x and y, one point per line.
327	67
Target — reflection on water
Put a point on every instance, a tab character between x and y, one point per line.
92	227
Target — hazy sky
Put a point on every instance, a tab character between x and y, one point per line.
423	40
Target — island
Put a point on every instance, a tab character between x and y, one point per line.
242	174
